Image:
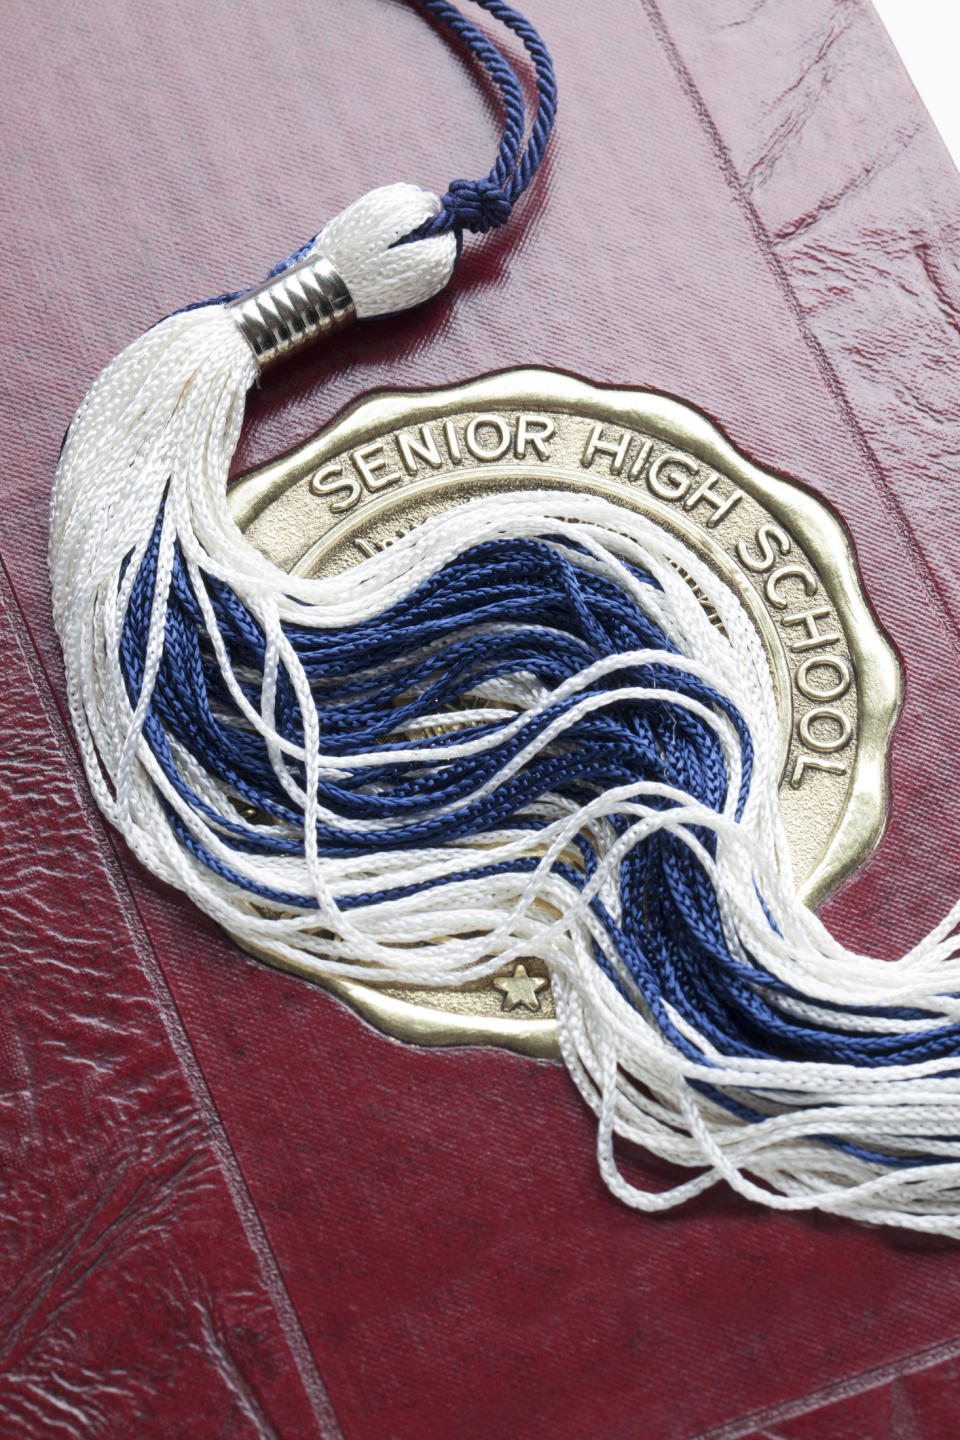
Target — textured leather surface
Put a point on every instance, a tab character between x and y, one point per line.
138	1289
229	1207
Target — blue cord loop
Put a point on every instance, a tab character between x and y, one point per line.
482	205
485	204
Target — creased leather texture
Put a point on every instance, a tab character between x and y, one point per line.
133	1297
229	1207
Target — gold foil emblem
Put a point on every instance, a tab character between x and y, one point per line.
393	459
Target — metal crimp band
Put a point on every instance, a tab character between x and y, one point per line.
293	309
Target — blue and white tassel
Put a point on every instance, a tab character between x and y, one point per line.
512	733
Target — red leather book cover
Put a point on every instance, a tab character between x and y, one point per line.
230	1207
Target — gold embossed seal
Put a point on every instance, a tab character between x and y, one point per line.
393	459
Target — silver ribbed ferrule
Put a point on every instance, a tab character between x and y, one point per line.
293	309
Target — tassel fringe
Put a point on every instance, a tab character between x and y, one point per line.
514	733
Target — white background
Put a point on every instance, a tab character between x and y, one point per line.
927	34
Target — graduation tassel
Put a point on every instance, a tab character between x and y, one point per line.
514	733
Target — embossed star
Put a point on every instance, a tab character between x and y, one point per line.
519	989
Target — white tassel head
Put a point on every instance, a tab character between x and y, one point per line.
383	276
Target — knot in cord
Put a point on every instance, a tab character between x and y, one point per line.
477	205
